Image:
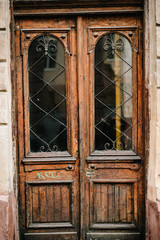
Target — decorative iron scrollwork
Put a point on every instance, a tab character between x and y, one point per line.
113	93
48	148
42	148
108	146
47	101
45	43
55	148
120	146
110	44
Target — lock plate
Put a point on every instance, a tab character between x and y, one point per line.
91	172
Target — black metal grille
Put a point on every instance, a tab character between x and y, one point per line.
47	95
109	114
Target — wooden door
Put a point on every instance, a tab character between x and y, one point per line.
79	110
47	103
111	133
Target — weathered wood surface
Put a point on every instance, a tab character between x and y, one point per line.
79	7
85	3
62	194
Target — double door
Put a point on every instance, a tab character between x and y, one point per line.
80	136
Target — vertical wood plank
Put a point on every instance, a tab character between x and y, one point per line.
65	204
100	212
42	203
92	203
129	204
135	203
113	203
110	204
104	203
97	203
53	203
122	204
50	204
58	203
35	204
117	199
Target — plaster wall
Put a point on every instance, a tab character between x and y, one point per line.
157	173
153	185
154	101
7	199
151	62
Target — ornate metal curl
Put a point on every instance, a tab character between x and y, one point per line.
111	44
107	146
55	148
120	146
42	148
45	43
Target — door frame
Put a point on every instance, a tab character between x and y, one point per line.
21	13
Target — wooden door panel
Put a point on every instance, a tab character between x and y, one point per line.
49	204
112	183
116	197
49	181
113	203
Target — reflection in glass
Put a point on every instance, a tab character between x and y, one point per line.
113	93
47	95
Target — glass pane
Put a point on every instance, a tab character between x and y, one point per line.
47	95
113	93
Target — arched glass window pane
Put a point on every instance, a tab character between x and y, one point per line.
47	95
113	93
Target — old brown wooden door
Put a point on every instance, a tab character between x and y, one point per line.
79	105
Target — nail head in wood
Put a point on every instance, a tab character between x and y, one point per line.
95	35
70	167
130	34
28	36
63	36
92	166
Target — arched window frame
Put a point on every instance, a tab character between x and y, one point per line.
132	34
112	46
45	52
64	35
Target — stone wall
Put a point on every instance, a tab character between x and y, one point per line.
7	199
157	173
153	185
